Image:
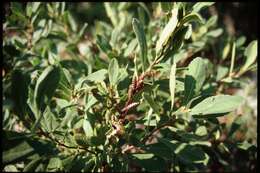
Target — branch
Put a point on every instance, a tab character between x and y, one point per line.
61	144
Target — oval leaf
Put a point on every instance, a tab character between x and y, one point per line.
89	131
113	71
97	76
251	54
46	86
194	78
217	105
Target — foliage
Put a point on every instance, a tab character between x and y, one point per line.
141	90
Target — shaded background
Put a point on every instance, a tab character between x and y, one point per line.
243	17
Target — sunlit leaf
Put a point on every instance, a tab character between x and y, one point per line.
172	83
113	71
216	105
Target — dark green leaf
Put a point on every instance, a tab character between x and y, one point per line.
32	165
103	44
188	154
46	86
140	34
21	150
20	84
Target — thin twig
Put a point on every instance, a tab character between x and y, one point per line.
61	144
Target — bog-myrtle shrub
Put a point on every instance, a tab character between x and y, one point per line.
142	89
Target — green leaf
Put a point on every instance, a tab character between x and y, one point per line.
28	9
200	5
214	33
97	76
72	22
46	86
35	6
189	32
103	44
143	156
172	83
194	78
232	59
149	162
113	71
149	117
167	32
90	101
201	131
19	146
32	165
64	90
216	105
240	41
67	162
139	32
49	121
179	55
166	6
188	154
212	21
20	84
18	11
54	164
17	152
236	124
245	145
175	43
114	36
222	71
87	126
192	17
131	47
226	46
251	54
151	102
10	168
111	13
159	149
82	30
